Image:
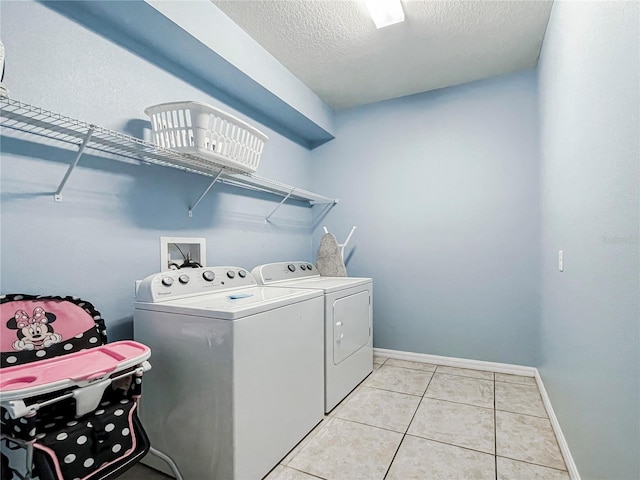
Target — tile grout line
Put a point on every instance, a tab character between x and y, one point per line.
458	374
386	429
460	403
442	442
409	425
458	363
422	397
453	374
495	382
412	368
520	413
306	473
561	441
465	376
532	463
393	391
518	383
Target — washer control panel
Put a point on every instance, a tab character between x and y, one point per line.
191	281
276	272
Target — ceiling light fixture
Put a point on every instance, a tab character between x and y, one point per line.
385	12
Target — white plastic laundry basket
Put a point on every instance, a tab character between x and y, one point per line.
204	131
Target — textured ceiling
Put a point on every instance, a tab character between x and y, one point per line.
335	49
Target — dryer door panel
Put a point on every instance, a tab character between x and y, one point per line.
350	325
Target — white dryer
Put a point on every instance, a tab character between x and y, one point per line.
237	378
348	322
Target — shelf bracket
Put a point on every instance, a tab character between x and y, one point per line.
204	193
57	197
266	220
318	202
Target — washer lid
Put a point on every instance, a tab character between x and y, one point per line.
232	304
326	284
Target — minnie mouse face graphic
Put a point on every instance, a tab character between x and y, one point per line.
35	332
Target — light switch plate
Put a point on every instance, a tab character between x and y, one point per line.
561	260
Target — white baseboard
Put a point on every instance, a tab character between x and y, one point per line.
458	362
562	442
497	368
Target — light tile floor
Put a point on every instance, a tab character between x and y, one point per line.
411	420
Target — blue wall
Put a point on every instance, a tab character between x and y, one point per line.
443	187
195	40
462	198
105	234
590	144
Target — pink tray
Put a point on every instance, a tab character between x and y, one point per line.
77	368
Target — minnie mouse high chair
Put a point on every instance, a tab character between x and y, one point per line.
68	398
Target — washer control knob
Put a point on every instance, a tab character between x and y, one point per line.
208	275
231	274
167	281
242	273
309	267
183	279
291	267
303	267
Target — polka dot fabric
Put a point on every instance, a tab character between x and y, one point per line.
15	327
23	428
99	445
81	446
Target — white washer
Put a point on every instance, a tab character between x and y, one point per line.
348	322
237	378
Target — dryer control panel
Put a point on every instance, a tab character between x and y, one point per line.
277	272
191	281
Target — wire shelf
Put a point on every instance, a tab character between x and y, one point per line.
36	121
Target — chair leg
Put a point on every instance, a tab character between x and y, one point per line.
29	460
10	473
169	461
